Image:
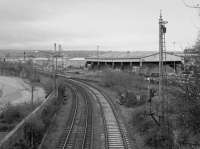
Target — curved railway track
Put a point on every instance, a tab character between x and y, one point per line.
116	136
115	133
78	131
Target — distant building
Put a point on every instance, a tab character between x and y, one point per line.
41	60
190	56
77	62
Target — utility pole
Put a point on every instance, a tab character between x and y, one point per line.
61	56
98	57
32	83
162	31
55	70
24	56
32	96
98	51
56	55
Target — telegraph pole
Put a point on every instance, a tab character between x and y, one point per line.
24	56
55	71
98	57
162	31
33	79
32	92
56	54
61	55
98	51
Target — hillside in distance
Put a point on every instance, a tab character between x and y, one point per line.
10	53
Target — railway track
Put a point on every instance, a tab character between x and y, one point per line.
79	130
116	136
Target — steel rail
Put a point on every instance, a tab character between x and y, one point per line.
122	133
70	122
86	133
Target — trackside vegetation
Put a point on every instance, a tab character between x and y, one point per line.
180	128
35	128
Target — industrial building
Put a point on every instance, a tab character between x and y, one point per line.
134	60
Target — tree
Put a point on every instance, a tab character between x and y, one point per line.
187	100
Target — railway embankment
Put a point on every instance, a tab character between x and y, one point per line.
59	121
30	131
18	135
16	102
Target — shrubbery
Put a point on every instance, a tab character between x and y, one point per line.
130	87
33	132
140	121
123	80
132	91
154	135
15	113
35	128
130	99
48	86
48	112
12	114
159	137
17	69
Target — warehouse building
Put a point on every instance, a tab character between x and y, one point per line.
134	60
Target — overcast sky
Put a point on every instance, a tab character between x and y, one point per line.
83	24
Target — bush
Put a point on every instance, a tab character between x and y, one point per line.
11	114
48	112
142	122
159	137
50	109
132	100
123	80
33	131
48	86
155	136
6	127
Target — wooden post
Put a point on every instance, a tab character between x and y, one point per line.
32	96
174	67
131	65
121	65
113	65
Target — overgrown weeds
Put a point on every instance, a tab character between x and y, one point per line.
133	93
35	127
12	114
131	88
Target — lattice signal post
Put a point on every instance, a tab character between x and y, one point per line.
162	31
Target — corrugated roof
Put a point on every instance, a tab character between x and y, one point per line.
116	54
40	58
148	56
77	59
167	57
